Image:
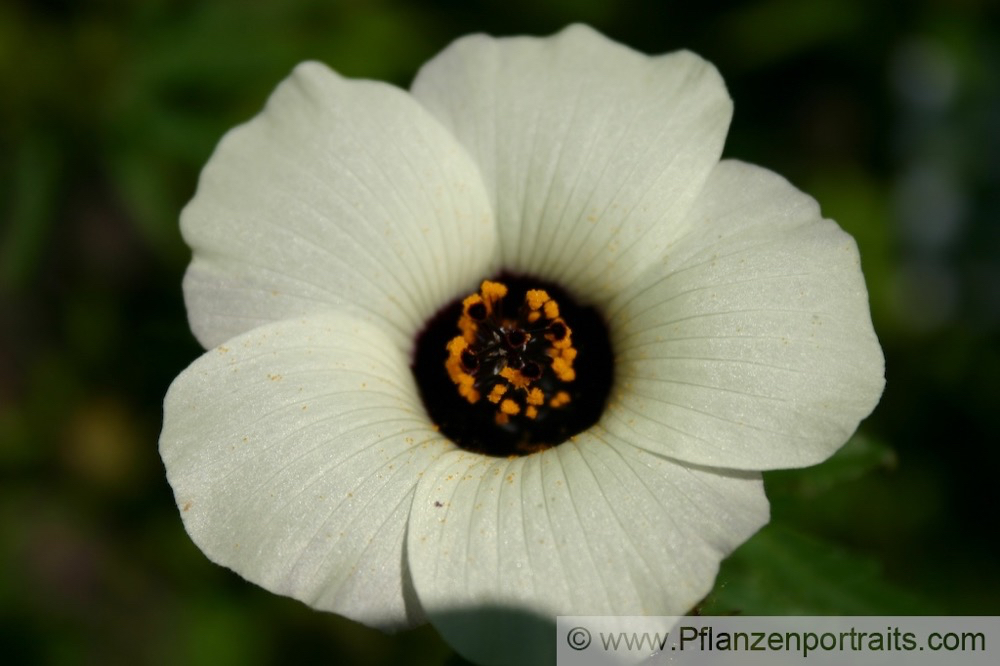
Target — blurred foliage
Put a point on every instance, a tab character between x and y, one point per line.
783	572
887	112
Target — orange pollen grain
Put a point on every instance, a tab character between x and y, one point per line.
497	393
516	379
509	407
536	298
559	399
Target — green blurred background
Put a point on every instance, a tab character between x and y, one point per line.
887	112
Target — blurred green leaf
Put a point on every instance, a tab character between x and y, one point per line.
862	454
784	572
762	32
146	191
35	177
206	636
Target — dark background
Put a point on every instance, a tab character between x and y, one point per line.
887	112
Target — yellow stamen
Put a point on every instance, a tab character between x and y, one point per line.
563	370
536	298
559	399
500	343
565	343
468	391
516	379
457	373
497	393
466	323
492	292
456	346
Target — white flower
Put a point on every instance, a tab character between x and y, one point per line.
330	228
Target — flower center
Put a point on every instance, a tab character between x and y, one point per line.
520	362
514	368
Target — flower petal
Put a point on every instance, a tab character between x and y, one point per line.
293	451
593	526
593	152
340	193
751	346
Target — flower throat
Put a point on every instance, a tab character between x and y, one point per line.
514	368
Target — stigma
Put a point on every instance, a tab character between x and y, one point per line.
516	356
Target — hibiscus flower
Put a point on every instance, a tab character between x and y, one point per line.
513	344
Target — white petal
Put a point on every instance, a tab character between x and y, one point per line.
340	193
293	452
594	526
593	152
751	346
